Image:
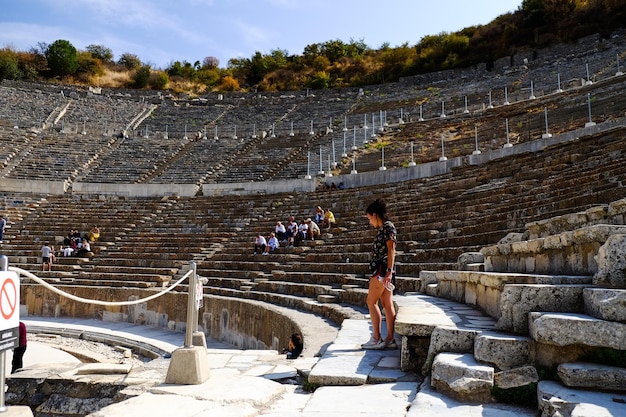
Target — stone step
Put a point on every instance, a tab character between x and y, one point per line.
461	377
592	376
509	296
605	303
345	363
563	329
429	403
557	400
571	252
517	300
503	351
418	316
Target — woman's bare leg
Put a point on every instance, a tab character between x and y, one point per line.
374	293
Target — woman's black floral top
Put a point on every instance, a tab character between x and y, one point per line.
379	248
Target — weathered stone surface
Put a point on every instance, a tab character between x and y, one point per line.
429	403
594	376
462	378
511	237
517	300
449	339
559	401
617	211
67	406
605	303
468	258
103	368
569	329
426	278
516	377
503	351
611	260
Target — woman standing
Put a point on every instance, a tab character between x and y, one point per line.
383	273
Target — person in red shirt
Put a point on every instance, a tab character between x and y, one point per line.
18	352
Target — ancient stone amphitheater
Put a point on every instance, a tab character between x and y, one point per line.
507	187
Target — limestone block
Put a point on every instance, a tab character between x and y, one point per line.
617	208
489	251
605	303
594	376
519	247
511	237
504	248
427	278
575	220
597	214
489	301
535	245
503	351
553	242
557	400
564	329
542	263
449	339
517	300
517	377
534	230
611	260
468	258
462	378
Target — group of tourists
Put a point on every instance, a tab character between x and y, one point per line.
293	233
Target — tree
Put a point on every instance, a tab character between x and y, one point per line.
88	64
100	52
210	62
142	77
159	80
228	84
9	68
129	61
62	58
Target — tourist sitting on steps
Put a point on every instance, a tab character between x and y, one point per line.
272	244
295	346
329	219
259	244
313	230
94	233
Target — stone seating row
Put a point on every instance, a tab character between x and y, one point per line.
557	332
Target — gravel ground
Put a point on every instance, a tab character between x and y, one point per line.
88	351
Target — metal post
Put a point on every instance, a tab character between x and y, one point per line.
191	307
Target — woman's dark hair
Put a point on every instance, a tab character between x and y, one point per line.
378	207
296	339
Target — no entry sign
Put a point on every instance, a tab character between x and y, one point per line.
9	309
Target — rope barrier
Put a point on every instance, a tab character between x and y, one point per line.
97	302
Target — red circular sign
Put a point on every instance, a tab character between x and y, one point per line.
8	299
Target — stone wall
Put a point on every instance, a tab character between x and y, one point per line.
247	324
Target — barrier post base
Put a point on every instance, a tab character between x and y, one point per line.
188	366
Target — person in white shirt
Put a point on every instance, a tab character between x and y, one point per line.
302	232
272	244
281	232
259	244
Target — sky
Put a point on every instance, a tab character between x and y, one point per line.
161	32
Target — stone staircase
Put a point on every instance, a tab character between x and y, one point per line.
556	296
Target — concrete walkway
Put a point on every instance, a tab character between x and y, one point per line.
256	383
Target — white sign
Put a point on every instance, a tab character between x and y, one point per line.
9	309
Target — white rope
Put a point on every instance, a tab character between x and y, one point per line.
98	302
